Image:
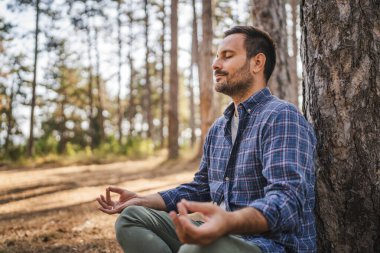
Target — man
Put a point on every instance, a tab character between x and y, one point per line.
255	185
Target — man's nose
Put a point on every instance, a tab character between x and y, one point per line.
216	64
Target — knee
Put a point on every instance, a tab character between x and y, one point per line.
191	248
130	216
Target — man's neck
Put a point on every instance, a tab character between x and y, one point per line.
239	98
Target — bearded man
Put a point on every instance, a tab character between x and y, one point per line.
254	189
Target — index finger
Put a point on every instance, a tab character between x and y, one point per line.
115	189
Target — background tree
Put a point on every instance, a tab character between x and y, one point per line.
173	108
206	56
341	99
271	17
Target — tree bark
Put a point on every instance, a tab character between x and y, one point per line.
119	51
163	66
194	61
270	16
293	59
173	108
147	100
91	130
132	108
206	87
34	83
342	100
100	89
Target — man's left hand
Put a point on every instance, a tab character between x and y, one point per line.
216	222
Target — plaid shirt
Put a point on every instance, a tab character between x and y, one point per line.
269	167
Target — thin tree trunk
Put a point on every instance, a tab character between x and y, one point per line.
34	84
162	95
91	129
206	55
132	109
173	108
119	51
194	61
341	98
147	100
62	124
10	120
271	17
100	89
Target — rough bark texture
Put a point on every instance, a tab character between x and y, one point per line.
340	54
270	16
206	56
173	108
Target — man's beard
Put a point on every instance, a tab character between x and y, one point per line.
237	83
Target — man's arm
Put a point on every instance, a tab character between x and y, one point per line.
128	198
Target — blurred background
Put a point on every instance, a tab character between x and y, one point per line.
106	80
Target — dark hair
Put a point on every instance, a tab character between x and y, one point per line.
257	41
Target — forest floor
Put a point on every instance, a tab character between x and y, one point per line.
54	209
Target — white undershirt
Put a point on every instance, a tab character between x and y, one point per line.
234	128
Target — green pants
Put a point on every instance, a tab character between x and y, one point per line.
144	230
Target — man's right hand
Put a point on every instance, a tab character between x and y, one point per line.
126	198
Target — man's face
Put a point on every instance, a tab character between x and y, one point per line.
231	67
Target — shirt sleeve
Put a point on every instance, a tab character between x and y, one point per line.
288	146
197	190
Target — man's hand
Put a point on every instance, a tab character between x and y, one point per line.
126	198
216	222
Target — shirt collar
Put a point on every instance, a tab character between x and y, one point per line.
250	103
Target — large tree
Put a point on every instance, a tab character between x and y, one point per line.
340	52
270	15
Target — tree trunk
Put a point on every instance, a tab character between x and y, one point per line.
34	83
10	119
100	90
162	95
271	17
91	129
132	109
342	100
206	87
194	61
293	59
119	51
147	100
173	108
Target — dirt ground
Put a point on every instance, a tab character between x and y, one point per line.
53	210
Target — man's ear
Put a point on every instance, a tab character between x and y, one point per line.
257	63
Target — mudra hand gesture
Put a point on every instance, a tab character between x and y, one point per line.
126	198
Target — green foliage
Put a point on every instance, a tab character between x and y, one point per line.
46	145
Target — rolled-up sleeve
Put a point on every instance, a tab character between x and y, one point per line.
288	145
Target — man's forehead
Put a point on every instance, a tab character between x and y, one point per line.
233	42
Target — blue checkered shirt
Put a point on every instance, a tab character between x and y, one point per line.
269	167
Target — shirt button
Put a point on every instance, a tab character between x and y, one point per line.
249	110
227	178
